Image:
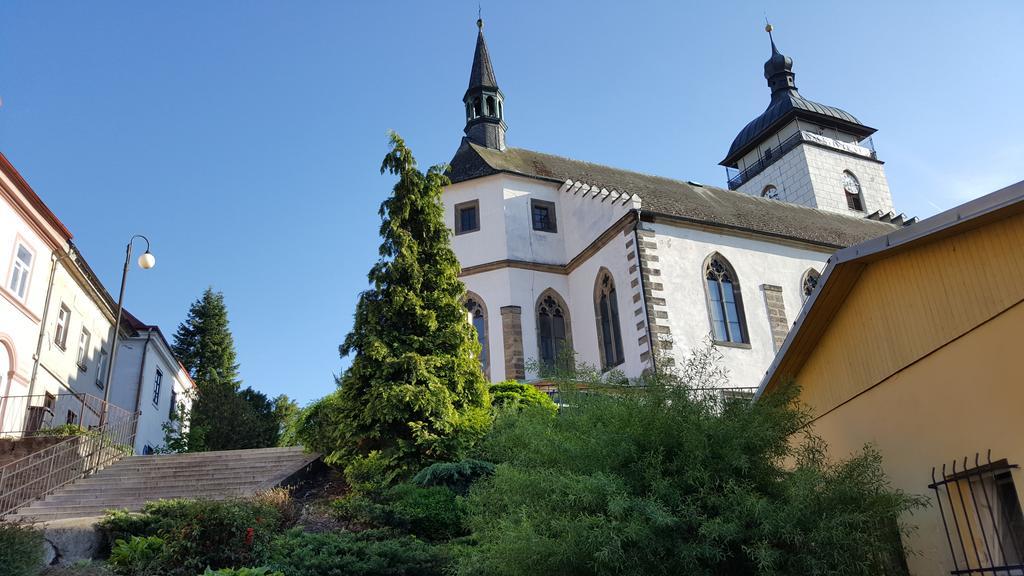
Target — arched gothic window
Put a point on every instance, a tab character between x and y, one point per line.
554	338
490	106
478	318
851	186
609	335
476	107
725	302
809	283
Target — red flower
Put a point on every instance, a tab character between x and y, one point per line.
249	532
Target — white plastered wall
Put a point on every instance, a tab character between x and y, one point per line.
682	253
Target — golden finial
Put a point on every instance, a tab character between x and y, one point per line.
768	28
480	23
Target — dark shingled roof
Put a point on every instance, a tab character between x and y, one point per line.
681	200
784	107
482	73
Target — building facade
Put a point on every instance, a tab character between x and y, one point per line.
627	270
151	382
911	344
56	326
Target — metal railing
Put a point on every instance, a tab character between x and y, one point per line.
34	415
85	449
772	155
982	516
718	397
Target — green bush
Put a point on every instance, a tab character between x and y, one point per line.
651	481
369	553
122	525
203	533
21	549
435	513
457	476
517	395
138	556
241	572
362	510
372	473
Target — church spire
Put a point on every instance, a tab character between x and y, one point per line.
778	70
484	102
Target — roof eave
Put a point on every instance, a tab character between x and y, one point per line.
860	130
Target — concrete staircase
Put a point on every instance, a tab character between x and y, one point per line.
135	480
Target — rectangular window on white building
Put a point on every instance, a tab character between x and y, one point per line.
467	217
157	382
101	372
60	335
20	271
83	348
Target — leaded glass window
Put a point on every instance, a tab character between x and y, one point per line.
725	303
609	333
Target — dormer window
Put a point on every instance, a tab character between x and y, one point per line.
851	186
542	213
467	217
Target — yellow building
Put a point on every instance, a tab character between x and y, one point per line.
914	342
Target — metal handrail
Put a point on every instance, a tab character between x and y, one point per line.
41	473
773	154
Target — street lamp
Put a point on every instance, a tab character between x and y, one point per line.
146	261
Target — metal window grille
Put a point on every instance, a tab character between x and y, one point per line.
982	516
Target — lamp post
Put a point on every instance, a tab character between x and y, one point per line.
146	261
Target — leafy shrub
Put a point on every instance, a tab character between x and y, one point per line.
369	553
650	481
457	476
517	395
435	513
371	473
64	430
203	533
122	525
21	549
138	556
241	572
362	510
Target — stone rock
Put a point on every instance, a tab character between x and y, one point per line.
71	540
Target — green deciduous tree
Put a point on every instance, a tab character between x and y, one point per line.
414	392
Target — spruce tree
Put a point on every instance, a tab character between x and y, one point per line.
206	348
414	392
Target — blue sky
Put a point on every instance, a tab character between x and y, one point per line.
244	138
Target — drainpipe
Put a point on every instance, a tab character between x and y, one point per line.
138	387
54	259
643	291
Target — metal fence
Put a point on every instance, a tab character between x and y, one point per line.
81	452
982	516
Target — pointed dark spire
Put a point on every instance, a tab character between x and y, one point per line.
484	101
482	74
778	70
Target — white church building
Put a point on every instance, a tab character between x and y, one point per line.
628	269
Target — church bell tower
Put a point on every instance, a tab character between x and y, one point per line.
485	114
807	153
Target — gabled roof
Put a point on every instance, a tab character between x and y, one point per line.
845	266
784	108
673	199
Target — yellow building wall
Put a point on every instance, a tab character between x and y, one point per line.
925	360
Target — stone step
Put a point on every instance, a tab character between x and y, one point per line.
114	475
135	480
142	490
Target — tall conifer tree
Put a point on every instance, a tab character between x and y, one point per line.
414	392
205	346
